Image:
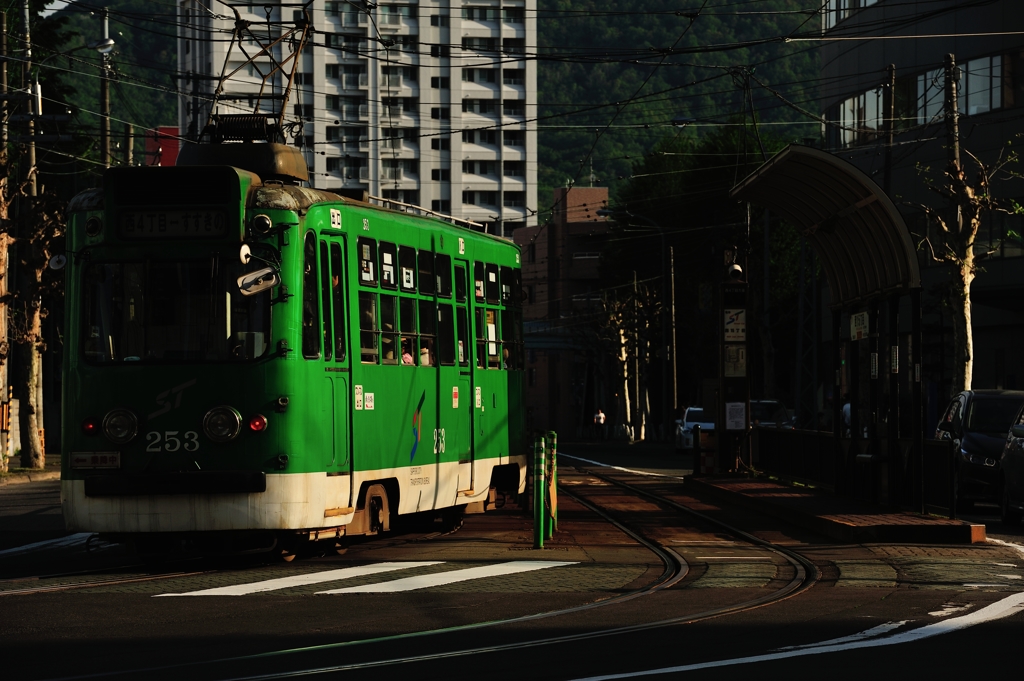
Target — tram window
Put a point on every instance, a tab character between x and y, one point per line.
518	354
368	327
517	288
338	292
407	322
428	333
478	280
464	341
481	338
460	284
509	354
367	261
443	267
388	265
492	339
407	265
445	335
310	313
506	286
325	291
492	284
426	262
388	329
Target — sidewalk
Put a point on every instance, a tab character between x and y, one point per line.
846	520
16	475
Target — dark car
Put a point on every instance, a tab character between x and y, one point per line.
1011	466
977	421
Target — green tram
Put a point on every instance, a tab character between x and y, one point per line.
246	355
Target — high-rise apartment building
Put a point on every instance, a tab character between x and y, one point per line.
426	103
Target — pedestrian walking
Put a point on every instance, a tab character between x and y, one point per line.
599	420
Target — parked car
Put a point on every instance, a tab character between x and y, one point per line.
684	427
978	421
770	414
1011	466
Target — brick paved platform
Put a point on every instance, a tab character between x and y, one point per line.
847	520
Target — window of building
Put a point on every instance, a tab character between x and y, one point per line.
440	51
515	138
480	137
441	143
514	76
480	13
442	113
479	75
441	205
514	199
514	168
515	107
438	19
480	44
513	15
441	174
513	46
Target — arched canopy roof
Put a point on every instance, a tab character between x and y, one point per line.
853	226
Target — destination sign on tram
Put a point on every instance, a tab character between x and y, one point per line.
172	224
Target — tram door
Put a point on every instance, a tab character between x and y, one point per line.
463	358
336	359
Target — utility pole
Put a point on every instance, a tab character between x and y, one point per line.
26	79
105	96
889	104
129	140
5	405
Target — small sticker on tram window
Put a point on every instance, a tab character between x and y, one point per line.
358	391
335	218
455	397
479	398
408	280
368	399
366	225
462	246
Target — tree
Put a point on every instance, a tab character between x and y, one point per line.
970	197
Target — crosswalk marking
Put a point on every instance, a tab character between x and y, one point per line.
451	577
306	579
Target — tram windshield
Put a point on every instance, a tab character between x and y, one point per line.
172	311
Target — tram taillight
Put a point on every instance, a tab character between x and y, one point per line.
258	423
91	426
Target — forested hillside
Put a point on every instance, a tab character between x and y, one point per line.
605	77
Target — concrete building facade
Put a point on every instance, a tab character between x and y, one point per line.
561	283
915	36
427	103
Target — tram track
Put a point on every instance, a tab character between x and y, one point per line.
805	574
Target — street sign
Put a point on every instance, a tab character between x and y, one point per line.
735	325
735	361
859	326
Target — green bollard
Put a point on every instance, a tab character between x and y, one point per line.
551	440
538	493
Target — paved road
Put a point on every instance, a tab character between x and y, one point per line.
876	604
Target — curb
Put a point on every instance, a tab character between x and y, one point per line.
939	533
23	478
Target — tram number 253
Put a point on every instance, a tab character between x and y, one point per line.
172	441
438	440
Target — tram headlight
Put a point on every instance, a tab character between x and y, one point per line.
222	424
262	224
120	426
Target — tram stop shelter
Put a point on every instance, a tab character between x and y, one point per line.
869	261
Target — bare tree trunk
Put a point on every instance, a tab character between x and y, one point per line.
627	417
963	334
29	371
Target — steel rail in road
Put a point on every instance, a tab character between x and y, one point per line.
805	575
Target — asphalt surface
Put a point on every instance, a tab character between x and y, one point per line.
426	602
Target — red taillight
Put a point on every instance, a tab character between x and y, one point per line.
91	426
258	423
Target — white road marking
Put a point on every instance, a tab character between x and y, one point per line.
620	468
305	579
950	608
986	586
1010	576
1009	544
442	578
1011	605
1009	565
880	630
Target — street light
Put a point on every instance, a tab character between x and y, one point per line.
667	282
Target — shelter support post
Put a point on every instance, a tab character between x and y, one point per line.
896	461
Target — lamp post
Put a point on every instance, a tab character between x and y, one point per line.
668	316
